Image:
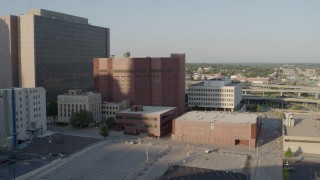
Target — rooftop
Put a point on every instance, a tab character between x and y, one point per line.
305	125
202	84
57	15
228	117
149	110
79	94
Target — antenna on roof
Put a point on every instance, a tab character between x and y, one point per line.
29	4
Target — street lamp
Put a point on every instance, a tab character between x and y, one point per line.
260	141
147	154
249	147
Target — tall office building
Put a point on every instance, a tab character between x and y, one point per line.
144	81
56	50
22	115
9	52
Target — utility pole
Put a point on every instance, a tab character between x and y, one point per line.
147	154
260	141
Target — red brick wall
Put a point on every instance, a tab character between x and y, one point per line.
144	81
155	128
224	134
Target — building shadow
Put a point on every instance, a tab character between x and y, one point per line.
5	56
297	121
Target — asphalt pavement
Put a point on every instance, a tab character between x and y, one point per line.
269	157
106	161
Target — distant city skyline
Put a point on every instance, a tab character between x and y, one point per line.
211	31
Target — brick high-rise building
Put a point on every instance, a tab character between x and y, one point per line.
144	81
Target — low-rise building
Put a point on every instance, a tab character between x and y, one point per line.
222	128
109	109
215	94
311	73
303	136
74	101
154	120
22	115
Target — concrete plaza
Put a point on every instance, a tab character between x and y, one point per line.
102	161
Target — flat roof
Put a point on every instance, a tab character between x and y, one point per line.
304	125
219	116
202	84
82	94
149	110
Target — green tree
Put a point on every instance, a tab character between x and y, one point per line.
288	154
296	107
318	71
52	109
205	78
104	131
286	174
81	119
259	108
110	122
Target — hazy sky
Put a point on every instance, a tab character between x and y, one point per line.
206	30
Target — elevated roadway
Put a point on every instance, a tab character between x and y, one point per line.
275	86
281	89
301	100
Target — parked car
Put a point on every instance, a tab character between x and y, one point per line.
3	161
286	163
59	141
133	142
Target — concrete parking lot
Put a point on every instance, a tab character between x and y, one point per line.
37	153
60	143
109	160
112	157
185	172
193	155
17	167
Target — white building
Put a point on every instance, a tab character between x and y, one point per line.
75	101
22	115
216	94
109	109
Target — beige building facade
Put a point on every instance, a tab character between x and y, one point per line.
302	134
75	101
9	75
109	109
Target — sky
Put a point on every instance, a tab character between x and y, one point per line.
213	31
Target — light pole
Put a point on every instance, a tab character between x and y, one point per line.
260	141
50	133
249	147
147	154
